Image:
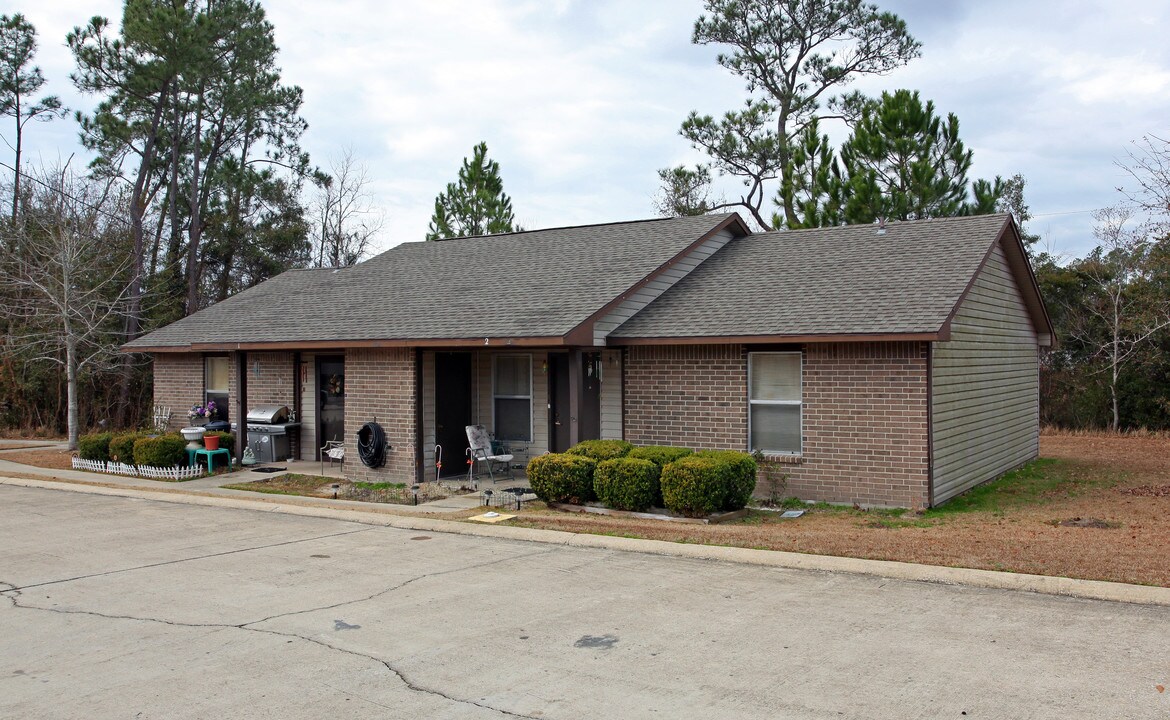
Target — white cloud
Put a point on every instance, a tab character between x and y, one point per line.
580	101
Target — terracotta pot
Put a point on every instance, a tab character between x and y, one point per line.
211	442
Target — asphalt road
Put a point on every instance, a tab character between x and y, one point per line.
125	608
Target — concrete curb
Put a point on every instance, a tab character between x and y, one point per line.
1068	587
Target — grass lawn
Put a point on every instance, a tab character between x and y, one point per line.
322	487
1093	507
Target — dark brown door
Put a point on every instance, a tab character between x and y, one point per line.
558	401
452	409
590	396
330	398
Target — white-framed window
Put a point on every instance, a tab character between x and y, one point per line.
216	369
512	397
774	402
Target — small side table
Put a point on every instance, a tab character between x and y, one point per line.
194	455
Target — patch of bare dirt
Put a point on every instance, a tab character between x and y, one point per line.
1148	491
1027	539
1097	523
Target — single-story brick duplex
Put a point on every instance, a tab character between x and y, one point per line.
889	366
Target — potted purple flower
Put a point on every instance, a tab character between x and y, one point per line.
201	414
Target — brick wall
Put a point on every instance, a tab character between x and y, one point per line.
178	384
688	395
379	383
272	385
865	425
864	414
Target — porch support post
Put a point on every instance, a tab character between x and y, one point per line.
296	391
241	406
576	385
419	465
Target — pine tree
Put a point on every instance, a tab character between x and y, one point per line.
476	204
904	162
18	44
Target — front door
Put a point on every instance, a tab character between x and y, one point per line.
452	409
331	398
590	396
558	401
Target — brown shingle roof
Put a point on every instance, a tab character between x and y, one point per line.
541	283
825	281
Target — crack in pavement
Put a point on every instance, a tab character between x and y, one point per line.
398	587
13	593
164	563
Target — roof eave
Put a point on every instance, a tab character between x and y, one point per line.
781	339
493	342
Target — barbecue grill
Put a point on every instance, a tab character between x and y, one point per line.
268	432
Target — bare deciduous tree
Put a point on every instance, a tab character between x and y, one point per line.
1125	307
68	279
345	219
1149	165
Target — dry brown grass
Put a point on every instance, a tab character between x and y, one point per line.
53	459
1021	536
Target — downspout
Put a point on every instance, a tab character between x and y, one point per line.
297	392
241	406
930	424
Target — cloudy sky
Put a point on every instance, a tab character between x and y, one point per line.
580	100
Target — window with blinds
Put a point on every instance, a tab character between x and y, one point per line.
774	402
512	397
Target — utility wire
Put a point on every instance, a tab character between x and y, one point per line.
42	183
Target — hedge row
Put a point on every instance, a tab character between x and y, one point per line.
129	447
95	446
627	478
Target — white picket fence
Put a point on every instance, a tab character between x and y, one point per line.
146	471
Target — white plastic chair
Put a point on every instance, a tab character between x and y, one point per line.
480	448
334	450
161	420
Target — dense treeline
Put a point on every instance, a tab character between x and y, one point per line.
198	187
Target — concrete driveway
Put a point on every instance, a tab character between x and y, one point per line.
119	608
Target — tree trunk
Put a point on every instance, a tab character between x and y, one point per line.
16	172
137	212
72	418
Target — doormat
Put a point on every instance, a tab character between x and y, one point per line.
269	469
491	517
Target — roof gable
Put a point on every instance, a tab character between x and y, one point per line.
851	281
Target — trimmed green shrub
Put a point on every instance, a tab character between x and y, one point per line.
161	451
95	446
562	477
742	482
627	483
122	446
601	449
660	455
227	441
696	486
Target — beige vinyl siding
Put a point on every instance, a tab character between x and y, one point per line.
985	385
482	405
309	445
611	395
651	290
